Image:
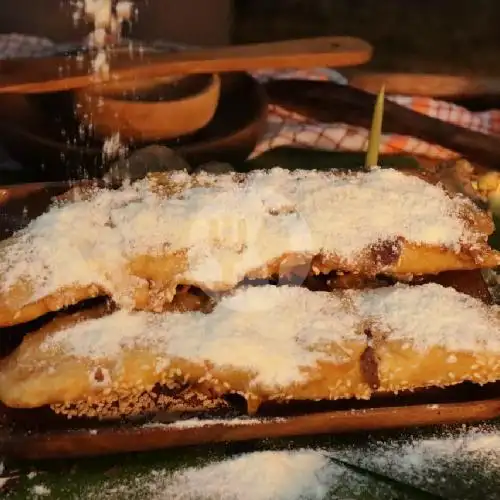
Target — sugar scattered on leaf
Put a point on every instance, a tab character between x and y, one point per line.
267	475
454	464
40	490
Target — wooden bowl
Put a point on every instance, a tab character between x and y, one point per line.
52	148
149	111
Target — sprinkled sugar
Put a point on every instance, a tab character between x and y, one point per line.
229	228
460	464
40	490
431	315
194	423
247	335
276	331
266	475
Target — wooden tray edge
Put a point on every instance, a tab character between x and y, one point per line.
86	443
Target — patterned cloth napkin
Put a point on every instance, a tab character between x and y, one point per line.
286	128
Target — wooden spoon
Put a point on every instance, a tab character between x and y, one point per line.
69	72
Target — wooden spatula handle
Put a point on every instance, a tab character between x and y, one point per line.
305	53
64	73
308	52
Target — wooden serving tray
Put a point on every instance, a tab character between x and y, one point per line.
56	444
41	434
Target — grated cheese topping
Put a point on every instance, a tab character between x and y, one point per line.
229	228
274	332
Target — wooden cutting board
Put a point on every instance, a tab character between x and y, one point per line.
38	434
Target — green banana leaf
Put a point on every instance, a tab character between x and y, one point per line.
294	158
382	466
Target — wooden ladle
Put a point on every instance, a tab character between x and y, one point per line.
53	74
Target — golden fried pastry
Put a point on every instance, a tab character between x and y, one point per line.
430	335
137	244
261	342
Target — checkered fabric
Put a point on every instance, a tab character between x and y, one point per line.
286	128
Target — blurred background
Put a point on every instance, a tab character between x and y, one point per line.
441	36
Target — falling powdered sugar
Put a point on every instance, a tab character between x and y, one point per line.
229	226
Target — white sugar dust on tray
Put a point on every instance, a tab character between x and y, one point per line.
457	464
304	474
196	423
